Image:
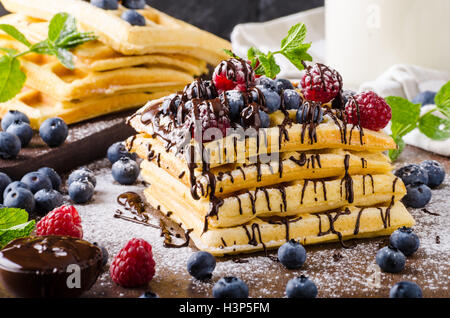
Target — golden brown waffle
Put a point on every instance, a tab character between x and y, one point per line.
38	106
162	33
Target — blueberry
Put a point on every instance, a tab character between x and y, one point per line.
283	84
82	174
201	265
134	4
230	287
13	185
53	131
266	83
304	114
5	180
405	240
148	294
412	174
53	176
235	101
47	200
405	290
81	191
390	259
9	145
292	254
271	97
424	98
125	171
105	254
417	196
20	198
37	181
106	4
291	99
11	116
301	287
436	172
133	18
118	150
265	119
21	130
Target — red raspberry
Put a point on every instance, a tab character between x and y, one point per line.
233	74
374	112
134	265
320	83
64	220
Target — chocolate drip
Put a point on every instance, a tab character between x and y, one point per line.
305	184
347	181
332	219
285	221
301	161
358	221
168	236
181	175
252	240
351	99
309	122
132	202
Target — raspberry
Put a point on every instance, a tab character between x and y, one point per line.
134	265
233	74
61	221
320	83
210	114
374	112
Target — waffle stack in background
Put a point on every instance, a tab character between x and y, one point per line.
126	67
326	182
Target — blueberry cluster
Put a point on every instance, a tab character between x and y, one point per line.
81	184
17	133
131	16
125	169
418	179
37	191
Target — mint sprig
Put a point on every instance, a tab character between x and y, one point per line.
14	224
62	36
406	117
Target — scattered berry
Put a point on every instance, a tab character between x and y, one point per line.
133	17
82	174
11	116
20	198
81	191
309	112
10	145
233	74
54	131
134	265
412	174
230	287
374	112
117	150
201	265
36	181
148	294
134	4
266	83
235	101
106	4
63	220
436	172
405	240
320	83
405	290
5	180
291	99
292	254
14	185
272	100
46	200
105	254
301	287
283	84
265	119
390	259
21	130
424	98
53	176
417	196
125	171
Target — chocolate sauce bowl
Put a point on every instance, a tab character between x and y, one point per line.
49	266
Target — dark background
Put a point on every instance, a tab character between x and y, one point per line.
219	17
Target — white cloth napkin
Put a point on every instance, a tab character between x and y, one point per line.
399	80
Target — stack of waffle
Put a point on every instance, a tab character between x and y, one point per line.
127	66
313	182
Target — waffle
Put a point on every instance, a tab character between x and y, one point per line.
39	106
162	33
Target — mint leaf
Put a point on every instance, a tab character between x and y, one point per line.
11	78
43	47
298	55
16	34
230	53
434	127
61	25
8	50
65	57
10	217
252	55
394	153
20	230
296	36
404	115
75	39
442	100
